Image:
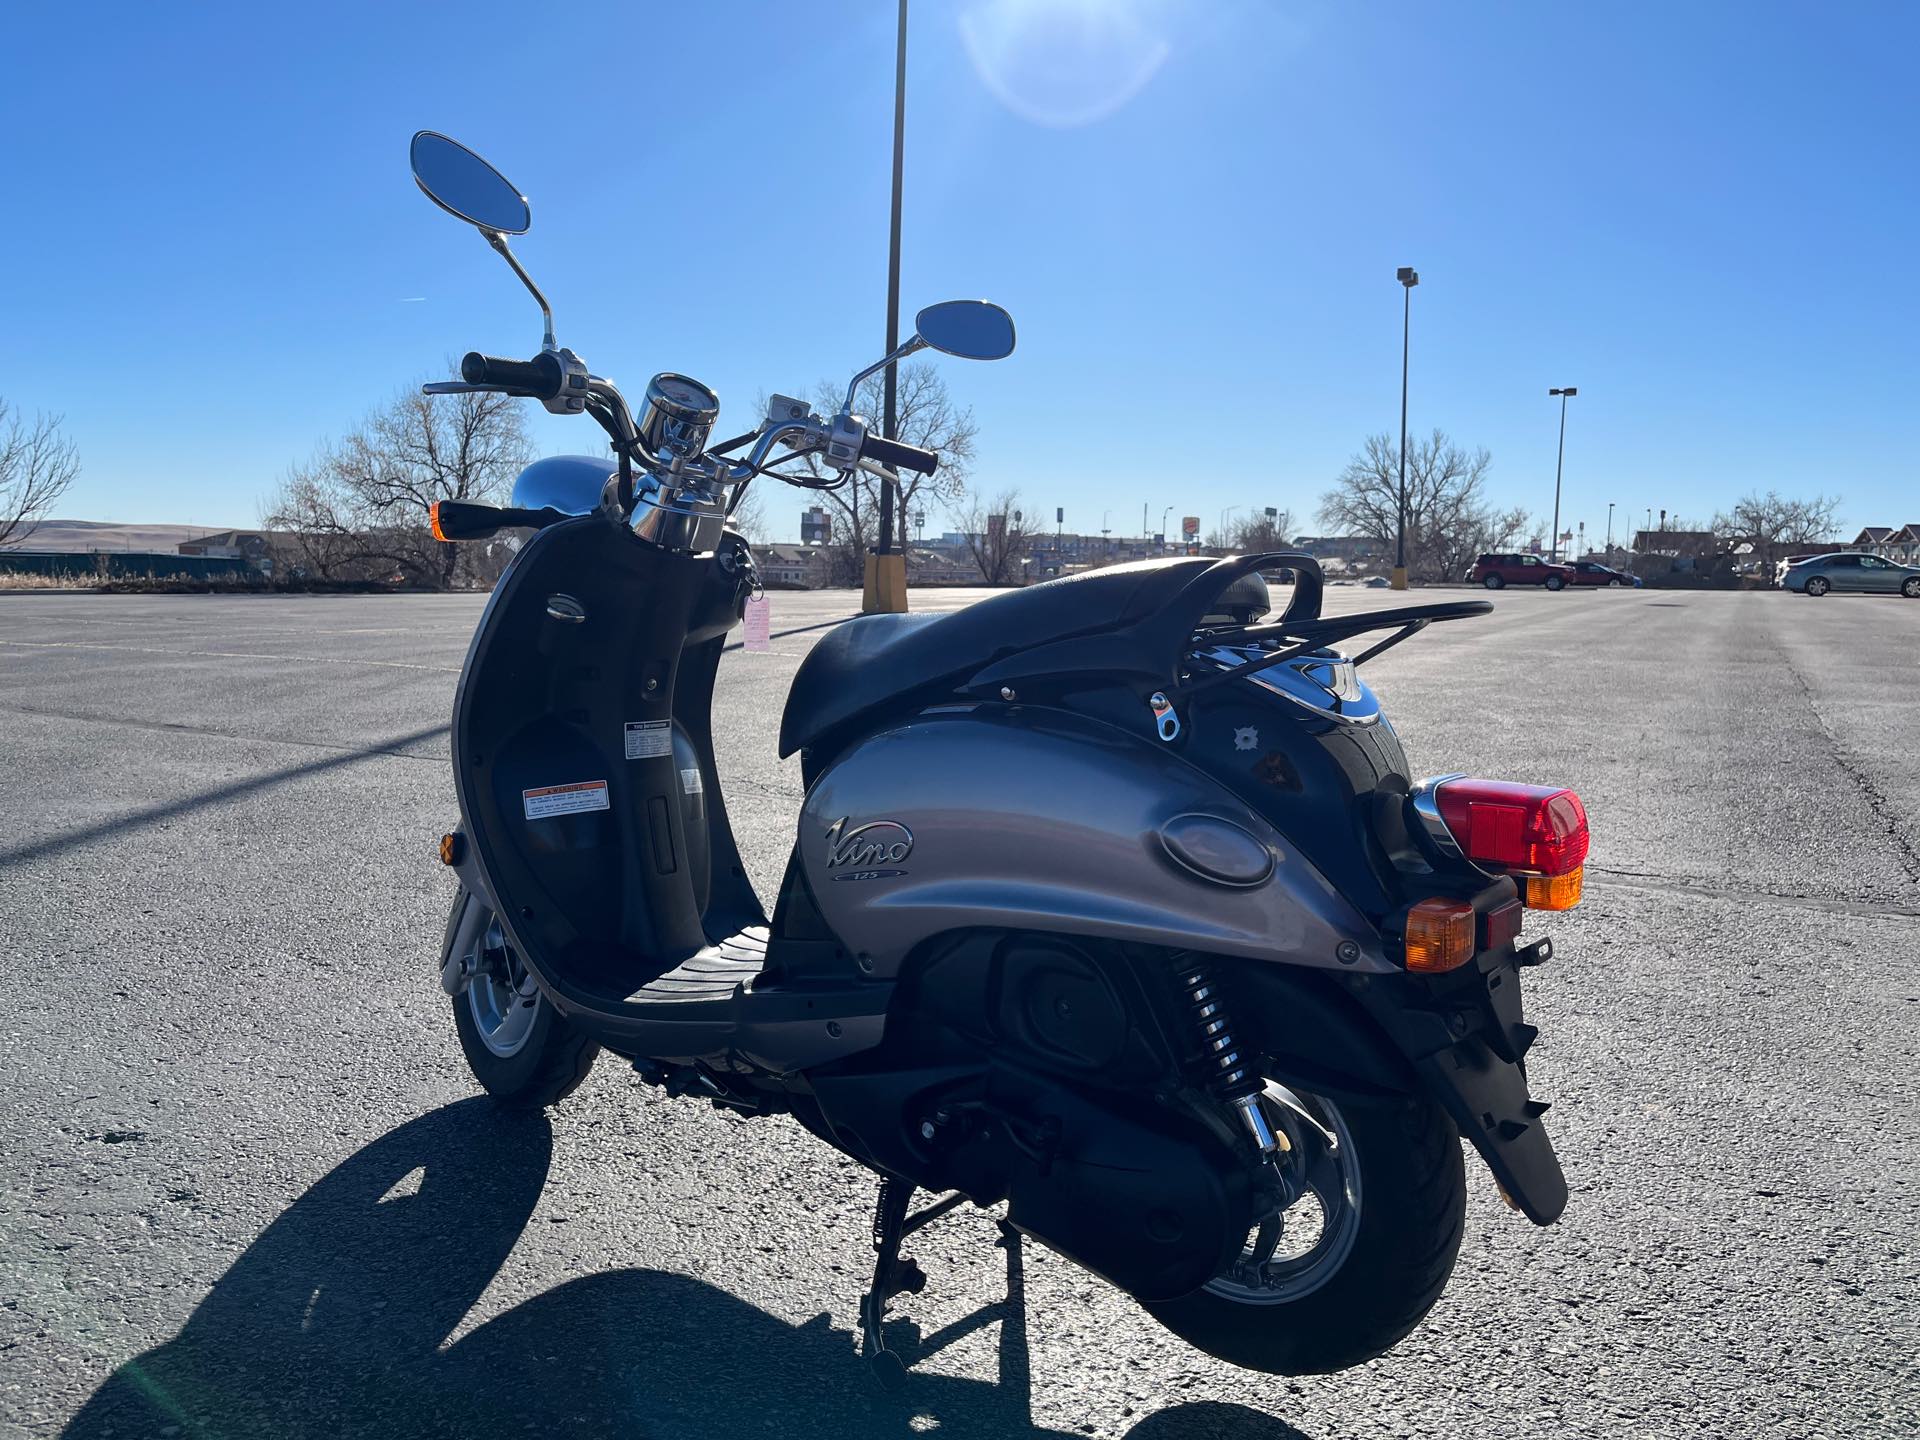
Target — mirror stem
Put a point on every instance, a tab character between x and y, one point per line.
912	346
499	242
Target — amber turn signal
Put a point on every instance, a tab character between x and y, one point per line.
450	848
1553	892
433	521
1439	936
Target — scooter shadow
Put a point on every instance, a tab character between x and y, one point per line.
334	1323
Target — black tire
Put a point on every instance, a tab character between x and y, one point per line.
1615	584
1493	582
548	1060
1910	587
1412	1215
1818	586
1555	582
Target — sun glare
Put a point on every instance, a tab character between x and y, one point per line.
1065	63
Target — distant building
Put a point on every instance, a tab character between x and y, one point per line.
816	526
792	567
254	547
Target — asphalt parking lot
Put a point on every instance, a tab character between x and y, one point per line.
245	1188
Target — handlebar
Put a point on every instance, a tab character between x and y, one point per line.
539	378
899	455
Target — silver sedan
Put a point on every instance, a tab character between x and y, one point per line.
1851	570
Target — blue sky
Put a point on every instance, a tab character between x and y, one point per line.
1702	215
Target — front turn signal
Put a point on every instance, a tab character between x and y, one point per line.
1553	892
1439	935
433	522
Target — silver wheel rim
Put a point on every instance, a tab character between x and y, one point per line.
1296	1252
502	998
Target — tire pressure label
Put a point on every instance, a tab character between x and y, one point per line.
649	739
550	800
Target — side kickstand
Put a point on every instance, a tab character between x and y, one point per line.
893	1273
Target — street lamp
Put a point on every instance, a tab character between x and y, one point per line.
1408	278
1553	540
1610	530
1163	523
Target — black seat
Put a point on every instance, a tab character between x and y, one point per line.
867	663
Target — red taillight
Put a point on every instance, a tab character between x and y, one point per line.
1525	829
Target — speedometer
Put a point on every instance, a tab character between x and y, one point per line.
677	415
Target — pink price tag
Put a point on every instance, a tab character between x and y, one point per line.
758	622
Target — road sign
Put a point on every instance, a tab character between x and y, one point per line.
1189	525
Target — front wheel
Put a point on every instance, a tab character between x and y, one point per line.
1910	587
522	1053
1615	584
1554	582
1358	1259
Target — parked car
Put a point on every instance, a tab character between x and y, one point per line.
1851	570
1592	572
1494	571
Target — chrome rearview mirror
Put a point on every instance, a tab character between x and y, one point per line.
465	186
971	329
468	188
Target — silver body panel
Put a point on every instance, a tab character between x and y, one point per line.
1039	820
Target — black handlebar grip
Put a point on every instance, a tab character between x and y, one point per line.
899	456
539	378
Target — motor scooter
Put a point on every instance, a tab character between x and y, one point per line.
1113	903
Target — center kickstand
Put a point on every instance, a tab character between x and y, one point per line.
893	1273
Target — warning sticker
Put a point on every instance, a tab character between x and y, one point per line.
690	783
649	739
551	800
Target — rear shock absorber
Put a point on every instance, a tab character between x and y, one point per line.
1230	1075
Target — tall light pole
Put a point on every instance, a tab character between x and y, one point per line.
1610	529
886	588
1553	540
1408	278
1163	523
1226	544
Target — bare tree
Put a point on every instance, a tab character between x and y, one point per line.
1775	526
1254	532
925	415
749	516
37	464
1449	519
998	536
360	509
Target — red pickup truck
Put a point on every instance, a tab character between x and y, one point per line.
1495	571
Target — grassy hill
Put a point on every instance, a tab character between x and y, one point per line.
110	535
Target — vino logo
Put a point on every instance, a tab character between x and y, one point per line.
865	851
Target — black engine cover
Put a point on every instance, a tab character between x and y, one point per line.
1028	1068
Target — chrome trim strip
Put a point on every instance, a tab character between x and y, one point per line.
1426	805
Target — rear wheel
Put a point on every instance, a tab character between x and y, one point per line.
1818	585
522	1053
1493	582
1347	1270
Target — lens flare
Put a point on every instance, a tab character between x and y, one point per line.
1064	63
